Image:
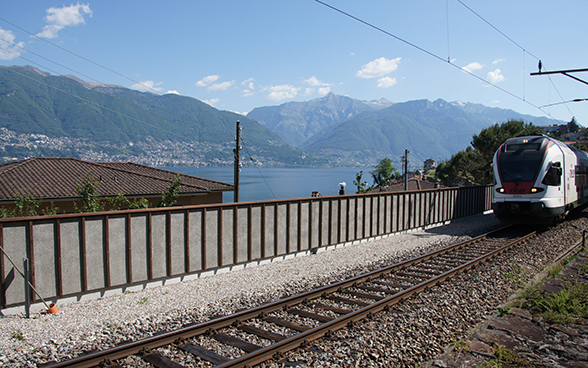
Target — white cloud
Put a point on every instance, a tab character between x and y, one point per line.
308	91
221	86
146	86
212	101
248	83
378	68
207	80
59	18
498	61
282	92
173	92
473	66
249	87
324	91
386	82
495	76
314	82
9	49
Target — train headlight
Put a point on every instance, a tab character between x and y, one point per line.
500	190
536	190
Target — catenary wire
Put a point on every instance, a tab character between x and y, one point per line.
126	102
433	55
525	51
257	167
105	68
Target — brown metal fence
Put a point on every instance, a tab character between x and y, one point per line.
77	254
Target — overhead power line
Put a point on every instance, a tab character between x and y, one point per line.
522	99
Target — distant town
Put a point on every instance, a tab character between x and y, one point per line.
14	146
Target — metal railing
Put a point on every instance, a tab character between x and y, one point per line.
77	254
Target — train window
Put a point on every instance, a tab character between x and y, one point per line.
553	176
581	176
523	146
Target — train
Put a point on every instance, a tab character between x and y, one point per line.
538	179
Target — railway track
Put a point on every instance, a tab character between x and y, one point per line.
255	335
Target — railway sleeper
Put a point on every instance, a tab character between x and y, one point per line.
205	354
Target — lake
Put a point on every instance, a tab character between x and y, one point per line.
259	184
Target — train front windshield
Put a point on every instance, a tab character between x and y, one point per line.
520	162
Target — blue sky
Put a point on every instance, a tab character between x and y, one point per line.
238	55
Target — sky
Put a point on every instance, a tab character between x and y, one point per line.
237	54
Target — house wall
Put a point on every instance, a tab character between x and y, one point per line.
76	255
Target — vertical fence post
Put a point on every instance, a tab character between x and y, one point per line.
27	287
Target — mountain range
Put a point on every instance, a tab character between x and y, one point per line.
329	131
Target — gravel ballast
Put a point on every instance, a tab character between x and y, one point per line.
430	321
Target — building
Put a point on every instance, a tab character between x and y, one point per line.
55	181
429	164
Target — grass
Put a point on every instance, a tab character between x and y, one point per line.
502	355
569	305
17	335
516	275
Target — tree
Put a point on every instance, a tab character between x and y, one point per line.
573	126
88	192
384	173
361	185
171	194
473	163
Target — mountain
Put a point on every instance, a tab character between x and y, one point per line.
46	115
119	120
296	122
427	129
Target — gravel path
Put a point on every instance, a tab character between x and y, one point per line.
89	325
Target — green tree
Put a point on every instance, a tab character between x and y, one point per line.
171	194
474	162
88	192
384	173
573	126
360	184
25	205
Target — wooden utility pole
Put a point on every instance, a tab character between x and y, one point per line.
237	151
405	164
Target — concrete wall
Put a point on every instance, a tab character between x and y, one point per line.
75	255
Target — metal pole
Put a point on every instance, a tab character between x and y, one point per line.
27	287
405	169
237	161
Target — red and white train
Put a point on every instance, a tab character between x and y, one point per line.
538	179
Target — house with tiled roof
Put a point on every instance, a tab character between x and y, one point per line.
55	179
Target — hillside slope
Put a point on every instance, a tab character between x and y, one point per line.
427	129
34	102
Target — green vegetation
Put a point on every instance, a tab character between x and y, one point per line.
23	206
87	190
475	162
506	356
117	116
516	274
17	335
171	194
89	200
360	183
570	305
385	173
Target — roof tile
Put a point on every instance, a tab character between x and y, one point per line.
52	177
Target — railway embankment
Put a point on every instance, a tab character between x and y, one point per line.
544	324
412	332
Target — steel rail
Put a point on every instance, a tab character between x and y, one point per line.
293	342
186	332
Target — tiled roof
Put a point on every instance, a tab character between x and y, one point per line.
53	177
